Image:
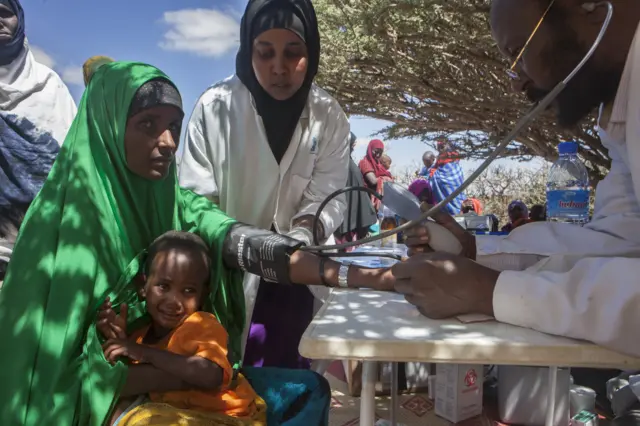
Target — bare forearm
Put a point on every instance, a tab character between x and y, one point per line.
305	268
194	370
147	378
371	179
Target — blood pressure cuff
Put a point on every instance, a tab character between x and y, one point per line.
260	252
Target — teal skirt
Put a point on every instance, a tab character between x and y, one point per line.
293	397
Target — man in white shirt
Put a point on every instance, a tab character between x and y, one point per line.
580	282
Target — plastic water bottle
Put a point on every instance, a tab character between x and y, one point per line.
568	187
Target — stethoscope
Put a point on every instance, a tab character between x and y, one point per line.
521	124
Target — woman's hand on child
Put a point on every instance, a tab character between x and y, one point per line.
116	348
110	324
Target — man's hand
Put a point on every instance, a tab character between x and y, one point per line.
417	238
116	348
443	285
110	324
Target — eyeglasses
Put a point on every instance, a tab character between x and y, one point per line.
511	72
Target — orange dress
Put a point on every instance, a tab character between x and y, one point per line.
201	334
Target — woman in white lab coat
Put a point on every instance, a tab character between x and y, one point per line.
269	146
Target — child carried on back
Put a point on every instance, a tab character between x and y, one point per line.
181	356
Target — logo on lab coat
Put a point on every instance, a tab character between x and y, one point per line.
314	145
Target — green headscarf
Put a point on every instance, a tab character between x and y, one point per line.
81	242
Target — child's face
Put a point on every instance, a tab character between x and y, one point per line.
386	163
175	287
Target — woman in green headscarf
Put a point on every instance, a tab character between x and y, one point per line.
111	192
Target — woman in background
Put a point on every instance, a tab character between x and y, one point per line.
36	111
422	190
373	171
446	176
538	213
518	215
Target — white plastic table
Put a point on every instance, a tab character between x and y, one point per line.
376	326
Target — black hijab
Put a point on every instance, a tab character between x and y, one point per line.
154	93
280	118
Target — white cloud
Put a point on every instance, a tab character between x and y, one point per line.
204	32
42	56
70	74
73	75
362	142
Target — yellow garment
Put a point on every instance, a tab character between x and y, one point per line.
91	65
157	414
202	335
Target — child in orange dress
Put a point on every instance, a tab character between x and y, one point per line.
184	349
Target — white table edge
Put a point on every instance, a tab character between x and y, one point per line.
452	353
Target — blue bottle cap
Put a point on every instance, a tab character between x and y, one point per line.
567	148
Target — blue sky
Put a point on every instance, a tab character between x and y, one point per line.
193	41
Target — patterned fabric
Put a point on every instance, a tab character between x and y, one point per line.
27	155
36	111
444	158
425	172
446	179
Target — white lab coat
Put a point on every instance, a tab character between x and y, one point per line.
227	158
583	282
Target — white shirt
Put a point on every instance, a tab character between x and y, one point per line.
227	157
583	282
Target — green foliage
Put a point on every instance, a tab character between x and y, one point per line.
432	69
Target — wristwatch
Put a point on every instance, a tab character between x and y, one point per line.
343	272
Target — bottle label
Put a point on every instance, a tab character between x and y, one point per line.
567	202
